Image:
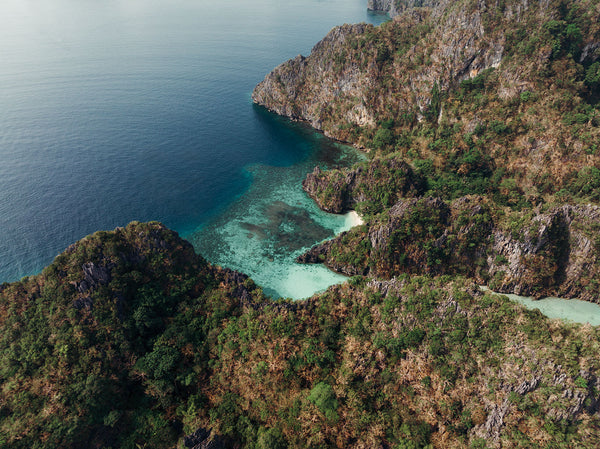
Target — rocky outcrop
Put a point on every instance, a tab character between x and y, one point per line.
555	253
578	395
339	85
423	235
374	186
455	365
395	7
93	277
446	78
321	252
387	6
239	285
561	395
203	439
324	76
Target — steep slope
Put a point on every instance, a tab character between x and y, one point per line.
495	99
95	351
513	84
395	7
482	121
131	340
540	253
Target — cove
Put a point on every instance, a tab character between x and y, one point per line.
573	310
274	221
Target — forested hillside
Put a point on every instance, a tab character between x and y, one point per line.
131	340
482	123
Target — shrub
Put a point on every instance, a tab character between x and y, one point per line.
323	396
384	138
270	439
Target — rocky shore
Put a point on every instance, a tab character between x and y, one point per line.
477	118
552	253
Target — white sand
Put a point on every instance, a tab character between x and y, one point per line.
351	219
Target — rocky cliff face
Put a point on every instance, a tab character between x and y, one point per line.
286	90
555	253
387	6
482	71
340	82
500	411
552	254
395	7
387	180
494	99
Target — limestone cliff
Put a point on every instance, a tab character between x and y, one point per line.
130	339
552	253
395	7
453	99
324	77
388	180
387	6
355	71
512	79
549	254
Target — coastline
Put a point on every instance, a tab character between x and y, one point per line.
571	310
352	219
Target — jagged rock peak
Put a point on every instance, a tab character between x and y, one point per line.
395	7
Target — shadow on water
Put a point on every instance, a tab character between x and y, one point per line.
287	142
295	141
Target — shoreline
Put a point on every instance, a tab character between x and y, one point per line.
353	219
573	310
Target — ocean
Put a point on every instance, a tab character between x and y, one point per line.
121	110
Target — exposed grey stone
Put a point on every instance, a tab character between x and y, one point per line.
527	386
203	439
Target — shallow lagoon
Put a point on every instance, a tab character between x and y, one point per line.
567	309
274	221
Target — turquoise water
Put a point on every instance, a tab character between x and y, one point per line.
274	221
566	309
121	110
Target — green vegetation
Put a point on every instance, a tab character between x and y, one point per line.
129	339
512	119
166	349
419	236
370	187
513	116
103	354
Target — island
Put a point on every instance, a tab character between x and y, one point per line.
481	123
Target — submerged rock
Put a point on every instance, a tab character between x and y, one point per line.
287	229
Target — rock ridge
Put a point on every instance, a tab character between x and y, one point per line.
552	253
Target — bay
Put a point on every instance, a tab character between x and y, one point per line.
121	110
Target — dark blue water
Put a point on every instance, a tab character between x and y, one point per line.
120	110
